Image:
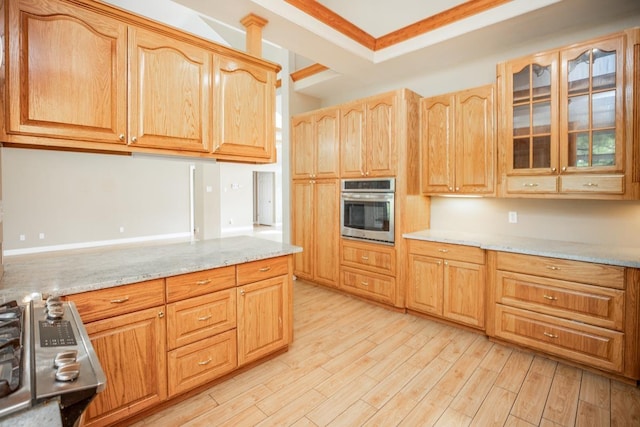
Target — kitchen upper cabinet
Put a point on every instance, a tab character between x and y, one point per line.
565	120
368	137
170	93
244	113
66	75
458	142
316	219
315	149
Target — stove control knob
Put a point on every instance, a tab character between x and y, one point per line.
68	372
55	312
65	358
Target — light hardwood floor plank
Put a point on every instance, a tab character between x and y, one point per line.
495	409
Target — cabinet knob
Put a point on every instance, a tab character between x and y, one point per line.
242	292
134	139
564	169
457	188
161	314
121	137
553	169
446	263
553	267
450	188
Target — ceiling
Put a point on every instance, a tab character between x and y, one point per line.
368	42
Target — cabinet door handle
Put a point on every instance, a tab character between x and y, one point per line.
134	139
364	283
550	297
530	184
446	263
553	267
364	258
590	184
439	262
119	300
550	335
265	269
444	251
161	314
203	282
121	137
205	362
242	292
203	318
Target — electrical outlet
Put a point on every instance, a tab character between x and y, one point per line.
122	229
513	217
41	236
23	237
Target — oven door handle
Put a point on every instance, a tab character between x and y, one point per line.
362	196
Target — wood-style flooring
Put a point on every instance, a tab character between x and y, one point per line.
355	364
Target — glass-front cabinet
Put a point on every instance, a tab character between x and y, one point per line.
563	121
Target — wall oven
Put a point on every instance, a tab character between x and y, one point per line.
367	209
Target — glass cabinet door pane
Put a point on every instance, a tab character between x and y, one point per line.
578	78
541	82
604	148
542	152
604	69
521	153
604	109
542	117
578	112
579	149
521	85
521	124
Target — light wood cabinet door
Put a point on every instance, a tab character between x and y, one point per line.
263	318
437	140
244	111
426	279
353	141
326	231
132	351
381	158
463	292
315	148
67	74
475	142
302	147
170	93
302	232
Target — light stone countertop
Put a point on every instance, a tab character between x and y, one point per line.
70	272
45	415
612	255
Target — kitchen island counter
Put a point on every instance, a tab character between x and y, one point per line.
612	255
71	272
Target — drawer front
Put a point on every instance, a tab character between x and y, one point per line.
105	303
201	362
582	343
197	318
447	251
200	283
532	184
371	285
607	184
264	269
576	271
377	258
589	304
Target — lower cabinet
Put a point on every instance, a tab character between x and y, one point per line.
447	281
131	349
368	270
163	337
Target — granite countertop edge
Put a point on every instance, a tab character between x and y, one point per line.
603	254
66	273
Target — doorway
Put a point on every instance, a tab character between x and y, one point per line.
264	209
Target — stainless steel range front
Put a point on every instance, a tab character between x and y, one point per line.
52	359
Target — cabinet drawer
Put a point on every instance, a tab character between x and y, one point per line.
377	258
607	184
104	303
193	319
582	343
449	251
532	184
577	271
259	270
200	283
371	285
589	304
201	362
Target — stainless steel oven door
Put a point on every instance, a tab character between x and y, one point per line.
368	216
